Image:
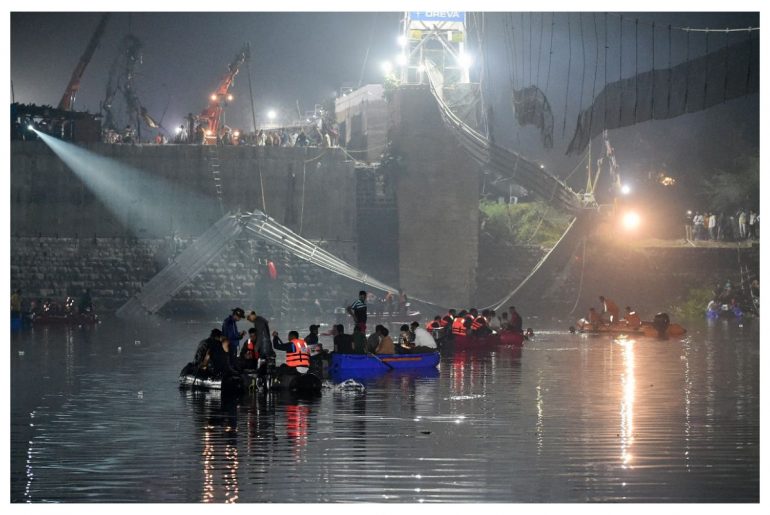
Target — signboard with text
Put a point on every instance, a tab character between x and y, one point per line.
438	16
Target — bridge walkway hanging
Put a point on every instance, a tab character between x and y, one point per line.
501	161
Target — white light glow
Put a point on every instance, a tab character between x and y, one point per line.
271	114
625	189
631	220
401	59
465	60
387	67
402	40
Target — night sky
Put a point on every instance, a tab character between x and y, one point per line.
306	56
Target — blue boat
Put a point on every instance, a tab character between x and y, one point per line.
383	361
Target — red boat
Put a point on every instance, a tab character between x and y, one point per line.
489	341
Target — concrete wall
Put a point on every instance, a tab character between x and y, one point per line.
48	199
438	203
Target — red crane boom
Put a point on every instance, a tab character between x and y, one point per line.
68	98
211	116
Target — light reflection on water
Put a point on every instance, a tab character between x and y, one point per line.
568	418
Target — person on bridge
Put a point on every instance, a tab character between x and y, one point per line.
358	311
609	307
230	330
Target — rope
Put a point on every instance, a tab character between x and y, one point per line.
727	65
705	77
636	65
550	54
670	72
620	73
569	72
652	95
529	77
596	73
580	287
540	47
583	53
692	29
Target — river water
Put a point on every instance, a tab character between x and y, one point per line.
96	416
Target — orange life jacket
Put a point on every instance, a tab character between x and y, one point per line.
478	323
300	356
250	352
458	326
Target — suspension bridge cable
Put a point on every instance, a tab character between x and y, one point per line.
540	47
605	67
695	29
705	77
727	65
751	60
636	64
569	72
550	54
652	94
620	73
670	73
530	49
583	53
687	71
596	72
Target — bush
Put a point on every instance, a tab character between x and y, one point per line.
527	223
695	304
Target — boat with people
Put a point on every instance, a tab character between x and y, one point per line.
252	381
513	338
659	327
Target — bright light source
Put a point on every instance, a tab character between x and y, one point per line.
402	40
271	114
401	59
208	132
236	134
464	60
31	127
213	96
387	67
542	167
421	68
625	189
631	220
178	130
229	98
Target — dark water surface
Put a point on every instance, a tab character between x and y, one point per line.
96	416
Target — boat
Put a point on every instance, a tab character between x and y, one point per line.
251	381
489	340
47	318
646	330
383	362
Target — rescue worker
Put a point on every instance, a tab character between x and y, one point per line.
386	345
230	330
479	325
458	325
249	358
358	311
609	307
202	353
423	341
297	352
447	322
594	318
515	321
632	318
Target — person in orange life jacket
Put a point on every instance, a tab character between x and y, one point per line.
515	320
249	358
633	321
446	321
608	306
433	324
480	324
458	325
297	352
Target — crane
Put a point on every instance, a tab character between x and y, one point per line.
68	98
210	117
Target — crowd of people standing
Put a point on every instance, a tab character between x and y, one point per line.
713	226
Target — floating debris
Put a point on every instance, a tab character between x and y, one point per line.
348	385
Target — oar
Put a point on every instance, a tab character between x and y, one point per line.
378	359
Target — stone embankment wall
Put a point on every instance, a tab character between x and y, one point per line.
115	269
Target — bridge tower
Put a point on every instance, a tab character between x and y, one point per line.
437	36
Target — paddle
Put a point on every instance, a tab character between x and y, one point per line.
378	359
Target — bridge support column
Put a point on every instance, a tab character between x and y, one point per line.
437	193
